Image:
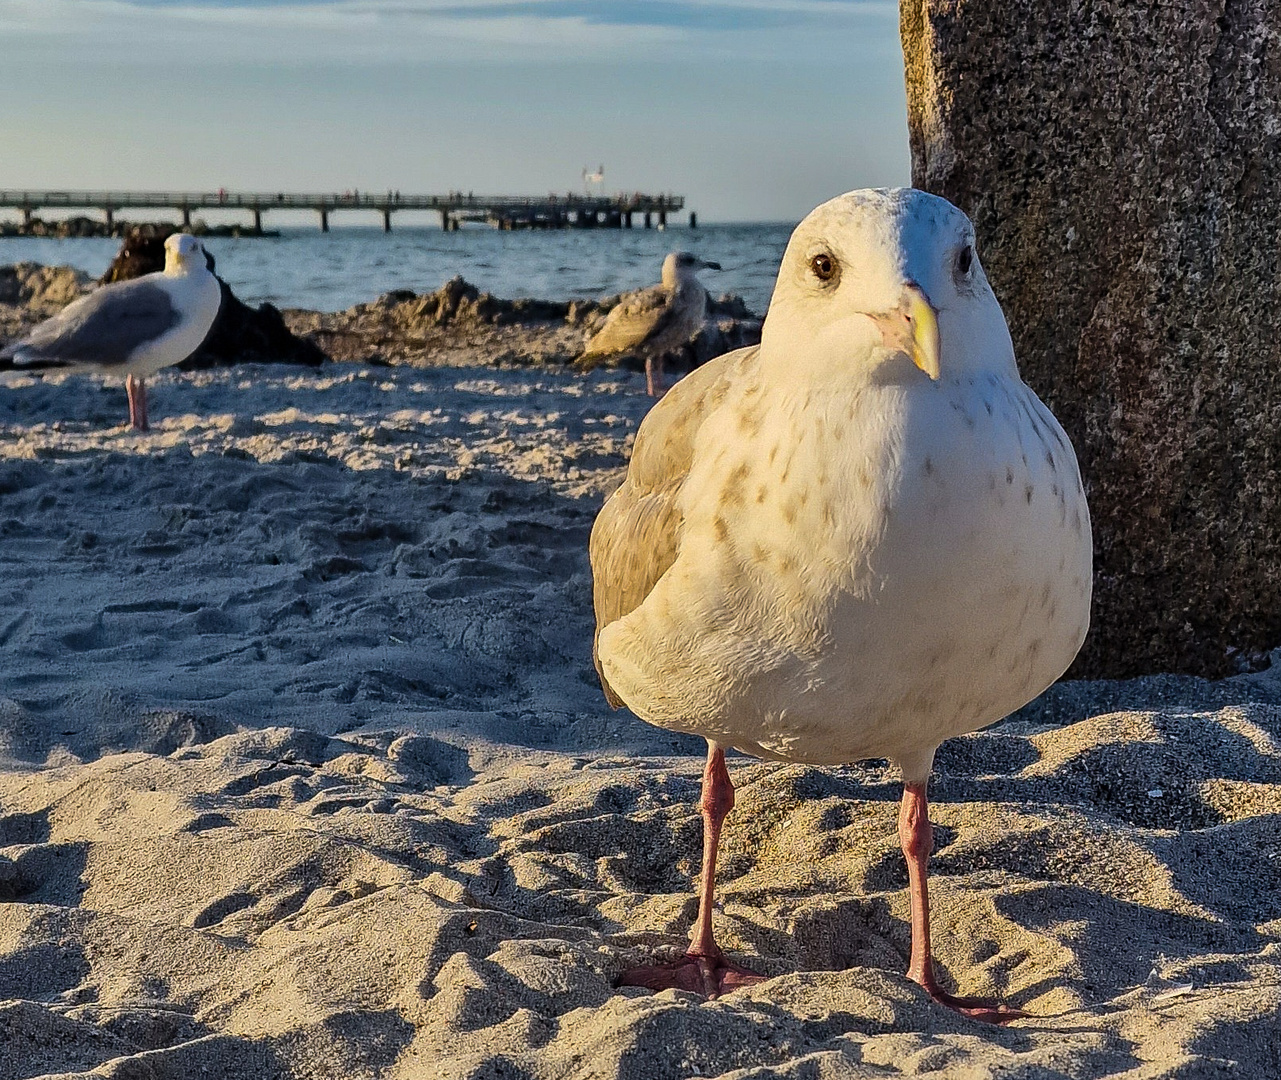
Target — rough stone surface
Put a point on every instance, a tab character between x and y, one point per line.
44	289
30	292
458	325
62	228
142	252
1120	164
79	226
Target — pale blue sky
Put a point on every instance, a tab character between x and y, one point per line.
753	110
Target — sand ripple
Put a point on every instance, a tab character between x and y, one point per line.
306	774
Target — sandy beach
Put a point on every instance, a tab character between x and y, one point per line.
306	774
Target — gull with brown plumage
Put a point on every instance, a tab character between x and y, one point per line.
862	537
652	322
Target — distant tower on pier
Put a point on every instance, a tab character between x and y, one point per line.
594	182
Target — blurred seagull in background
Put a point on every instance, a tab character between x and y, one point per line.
656	320
858	539
131	328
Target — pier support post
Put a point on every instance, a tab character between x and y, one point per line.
662	219
324	220
26	217
186	218
111	218
386	221
257	220
693	220
627	219
649	224
444	220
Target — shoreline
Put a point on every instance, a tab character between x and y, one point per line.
355	264
455	325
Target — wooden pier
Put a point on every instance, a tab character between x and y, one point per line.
550	211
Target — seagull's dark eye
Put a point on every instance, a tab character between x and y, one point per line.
965	260
824	267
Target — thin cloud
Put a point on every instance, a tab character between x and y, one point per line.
293	32
288	32
78	17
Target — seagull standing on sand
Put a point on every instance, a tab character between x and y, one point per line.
858	539
656	320
132	328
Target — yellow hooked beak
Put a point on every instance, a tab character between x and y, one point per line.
925	331
913	328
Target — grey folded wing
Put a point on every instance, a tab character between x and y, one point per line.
639	318
636	537
103	329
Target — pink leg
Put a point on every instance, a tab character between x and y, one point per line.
654	376
137	390
704	969
917	837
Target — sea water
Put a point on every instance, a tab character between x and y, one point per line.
305	268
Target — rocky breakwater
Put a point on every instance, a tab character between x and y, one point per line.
44	290
455	326
1118	161
458	325
80	226
30	292
62	228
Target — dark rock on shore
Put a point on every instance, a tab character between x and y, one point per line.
1119	163
143	252
459	302
730	325
460	325
43	288
457	325
245	335
62	228
86	226
30	292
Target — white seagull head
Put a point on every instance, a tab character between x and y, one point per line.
684	264
183	252
875	275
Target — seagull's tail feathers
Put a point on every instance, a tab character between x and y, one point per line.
590	360
598	349
22	356
614	358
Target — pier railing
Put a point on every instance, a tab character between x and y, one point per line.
503	211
